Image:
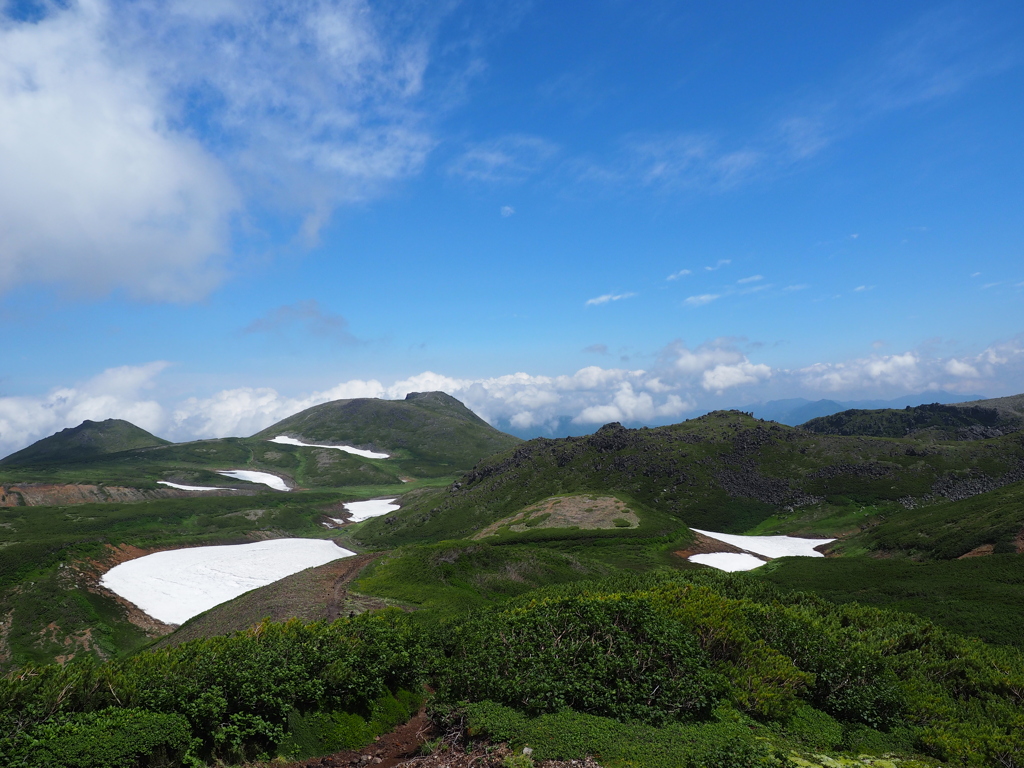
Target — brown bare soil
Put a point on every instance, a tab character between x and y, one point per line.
49	495
403	745
705	545
583	511
982	551
315	594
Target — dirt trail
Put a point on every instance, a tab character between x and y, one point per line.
402	748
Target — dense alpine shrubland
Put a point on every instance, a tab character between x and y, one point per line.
686	669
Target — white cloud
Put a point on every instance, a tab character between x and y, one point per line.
723	377
718	265
862	288
797	287
751	279
96	190
507	159
128	130
598	300
701	300
959	368
682	380
679	274
506	211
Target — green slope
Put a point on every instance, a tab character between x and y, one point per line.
725	471
88	440
432	429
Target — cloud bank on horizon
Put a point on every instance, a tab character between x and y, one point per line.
685	380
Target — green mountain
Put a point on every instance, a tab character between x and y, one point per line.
89	440
725	471
429	427
979	419
430	437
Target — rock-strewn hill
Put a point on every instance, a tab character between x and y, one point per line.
430	426
88	440
725	471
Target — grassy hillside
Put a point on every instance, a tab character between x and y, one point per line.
725	471
88	440
432	429
429	436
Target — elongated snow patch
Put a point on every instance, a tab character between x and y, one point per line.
285	440
363	510
181	487
176	585
266	478
728	561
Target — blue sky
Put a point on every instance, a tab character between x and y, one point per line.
215	213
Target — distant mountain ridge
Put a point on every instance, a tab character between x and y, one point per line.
979	419
89	440
798	410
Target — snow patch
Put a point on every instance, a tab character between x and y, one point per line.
363	510
770	546
285	440
266	478
728	561
176	585
181	487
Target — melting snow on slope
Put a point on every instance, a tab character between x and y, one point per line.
266	478
363	510
728	561
771	546
176	585
191	487
766	546
284	440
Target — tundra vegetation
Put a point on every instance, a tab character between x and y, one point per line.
539	594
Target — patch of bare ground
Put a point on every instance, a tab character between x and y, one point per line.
1019	542
705	545
315	594
982	551
582	511
49	495
404	745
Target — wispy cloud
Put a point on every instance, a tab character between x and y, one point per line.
506	211
862	288
718	265
307	316
701	300
596	349
751	279
506	159
797	287
679	274
608	297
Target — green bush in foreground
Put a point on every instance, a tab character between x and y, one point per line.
815	675
236	694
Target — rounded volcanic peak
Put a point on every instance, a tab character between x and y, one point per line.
86	441
428	425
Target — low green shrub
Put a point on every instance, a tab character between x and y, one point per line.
111	738
569	735
614	656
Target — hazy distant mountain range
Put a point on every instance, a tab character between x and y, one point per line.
792	411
